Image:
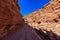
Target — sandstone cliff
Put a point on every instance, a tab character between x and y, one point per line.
47	18
46	22
10	17
12	25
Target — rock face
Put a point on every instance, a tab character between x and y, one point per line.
47	18
10	17
12	25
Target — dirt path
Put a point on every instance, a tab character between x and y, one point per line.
26	33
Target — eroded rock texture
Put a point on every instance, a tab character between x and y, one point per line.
46	19
12	25
10	18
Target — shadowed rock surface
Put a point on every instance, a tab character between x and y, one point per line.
10	17
12	25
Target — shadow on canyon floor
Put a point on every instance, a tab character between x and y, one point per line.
49	35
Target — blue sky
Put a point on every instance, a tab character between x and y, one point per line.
28	6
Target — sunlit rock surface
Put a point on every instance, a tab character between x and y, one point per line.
47	18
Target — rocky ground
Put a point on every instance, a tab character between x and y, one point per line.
47	18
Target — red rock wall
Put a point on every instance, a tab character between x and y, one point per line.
10	17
